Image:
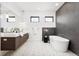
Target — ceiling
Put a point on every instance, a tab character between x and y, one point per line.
39	6
35	6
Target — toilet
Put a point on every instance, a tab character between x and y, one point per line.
59	43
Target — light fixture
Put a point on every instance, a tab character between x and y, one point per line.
56	4
38	8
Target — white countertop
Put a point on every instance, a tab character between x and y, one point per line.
11	34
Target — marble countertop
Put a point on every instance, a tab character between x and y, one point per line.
11	34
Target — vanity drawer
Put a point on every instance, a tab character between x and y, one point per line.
7	43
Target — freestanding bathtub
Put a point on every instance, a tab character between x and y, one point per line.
59	43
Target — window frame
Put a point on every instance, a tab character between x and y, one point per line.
49	17
34	17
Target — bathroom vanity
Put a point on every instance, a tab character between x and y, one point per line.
13	41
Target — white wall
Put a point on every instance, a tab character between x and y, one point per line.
8	25
10	9
35	29
23	21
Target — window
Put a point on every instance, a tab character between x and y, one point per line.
49	19
34	19
11	19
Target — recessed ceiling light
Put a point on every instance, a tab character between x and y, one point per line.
38	8
56	4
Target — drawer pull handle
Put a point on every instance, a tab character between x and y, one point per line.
4	39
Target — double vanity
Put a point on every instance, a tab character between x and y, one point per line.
12	41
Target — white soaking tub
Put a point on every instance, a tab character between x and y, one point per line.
59	43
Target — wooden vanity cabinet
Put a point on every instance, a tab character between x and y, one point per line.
12	43
8	43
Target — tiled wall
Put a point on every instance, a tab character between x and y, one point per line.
25	24
68	24
36	28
